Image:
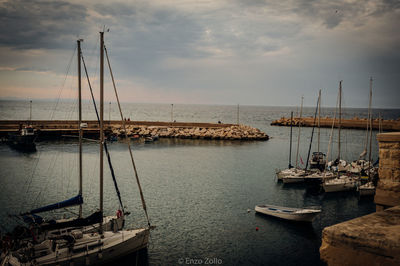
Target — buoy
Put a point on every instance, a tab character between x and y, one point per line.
248	210
256	228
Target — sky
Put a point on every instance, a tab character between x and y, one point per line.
248	52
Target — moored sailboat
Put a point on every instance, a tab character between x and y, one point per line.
75	245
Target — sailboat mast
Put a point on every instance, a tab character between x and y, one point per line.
319	118
340	116
80	122
370	134
30	110
101	124
298	135
290	148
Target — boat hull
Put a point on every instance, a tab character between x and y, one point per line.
299	217
290	179
367	192
339	187
95	250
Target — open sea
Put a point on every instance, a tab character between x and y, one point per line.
198	192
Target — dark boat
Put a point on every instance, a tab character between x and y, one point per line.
24	139
318	161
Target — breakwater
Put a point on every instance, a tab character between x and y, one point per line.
58	128
354	123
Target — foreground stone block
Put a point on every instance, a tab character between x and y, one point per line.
369	240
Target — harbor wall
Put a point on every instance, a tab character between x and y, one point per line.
354	123
373	239
191	130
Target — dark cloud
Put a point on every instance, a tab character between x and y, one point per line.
28	24
329	13
32	69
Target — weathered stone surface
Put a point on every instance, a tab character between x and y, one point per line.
388	188
369	240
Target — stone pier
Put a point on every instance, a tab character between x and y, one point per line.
373	239
388	190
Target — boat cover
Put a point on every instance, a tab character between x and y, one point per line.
77	200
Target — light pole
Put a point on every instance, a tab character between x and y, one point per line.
172	112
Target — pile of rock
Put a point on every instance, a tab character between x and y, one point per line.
237	132
286	122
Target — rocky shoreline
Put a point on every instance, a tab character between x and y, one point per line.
231	132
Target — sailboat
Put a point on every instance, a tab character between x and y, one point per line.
292	172
76	246
341	182
49	228
296	178
368	189
318	160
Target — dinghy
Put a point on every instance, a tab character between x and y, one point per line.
293	214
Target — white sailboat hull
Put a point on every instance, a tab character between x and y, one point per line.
292	214
93	249
335	185
367	192
367	189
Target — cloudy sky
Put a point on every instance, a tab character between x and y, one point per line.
252	52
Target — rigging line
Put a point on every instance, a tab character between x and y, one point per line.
30	180
329	152
105	143
47	183
312	132
62	87
129	145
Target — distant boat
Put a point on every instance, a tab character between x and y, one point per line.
148	139
292	214
24	139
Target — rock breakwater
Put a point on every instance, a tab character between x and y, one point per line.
232	132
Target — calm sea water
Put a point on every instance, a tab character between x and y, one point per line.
197	191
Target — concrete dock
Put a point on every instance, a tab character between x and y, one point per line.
354	123
58	128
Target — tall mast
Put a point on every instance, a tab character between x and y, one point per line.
298	135
80	122
290	149
319	118
340	116
369	117
30	110
370	134
101	124
312	134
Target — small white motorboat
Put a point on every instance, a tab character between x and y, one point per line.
293	214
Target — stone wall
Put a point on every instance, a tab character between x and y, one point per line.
373	239
388	189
